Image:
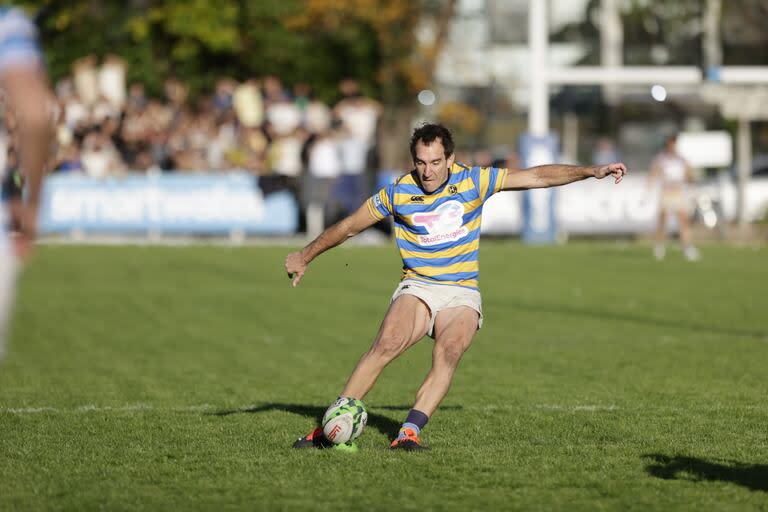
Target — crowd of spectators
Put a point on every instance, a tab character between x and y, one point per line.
317	151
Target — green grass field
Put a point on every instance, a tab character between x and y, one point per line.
177	379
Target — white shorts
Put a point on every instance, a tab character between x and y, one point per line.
438	297
8	271
674	200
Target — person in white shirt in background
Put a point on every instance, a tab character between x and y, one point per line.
284	156
317	117
283	117
675	174
359	117
100	159
323	171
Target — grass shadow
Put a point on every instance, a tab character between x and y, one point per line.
408	407
602	314
752	476
383	424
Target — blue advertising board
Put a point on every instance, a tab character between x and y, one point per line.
204	204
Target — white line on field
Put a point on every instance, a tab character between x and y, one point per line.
29	410
142	407
103	408
108	408
588	408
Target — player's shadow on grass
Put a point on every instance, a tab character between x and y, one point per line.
386	426
602	314
751	476
408	407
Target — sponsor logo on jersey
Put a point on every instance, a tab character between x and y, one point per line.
417	199
444	224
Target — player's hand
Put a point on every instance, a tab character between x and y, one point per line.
24	223
295	266
617	170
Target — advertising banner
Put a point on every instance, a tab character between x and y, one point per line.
589	207
193	204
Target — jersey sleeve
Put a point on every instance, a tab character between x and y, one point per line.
18	42
488	180
380	203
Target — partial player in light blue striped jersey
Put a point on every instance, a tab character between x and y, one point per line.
437	210
22	79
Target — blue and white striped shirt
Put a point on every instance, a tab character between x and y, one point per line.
18	40
18	45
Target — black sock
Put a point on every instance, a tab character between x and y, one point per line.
416	421
418	418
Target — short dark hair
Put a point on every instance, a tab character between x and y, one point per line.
429	133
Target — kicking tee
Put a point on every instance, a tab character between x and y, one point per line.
438	234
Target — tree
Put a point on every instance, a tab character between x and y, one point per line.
406	65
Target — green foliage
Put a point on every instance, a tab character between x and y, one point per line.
177	379
199	41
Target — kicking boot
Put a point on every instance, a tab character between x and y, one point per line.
410	442
314	439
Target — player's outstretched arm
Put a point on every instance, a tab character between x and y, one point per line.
555	175
297	262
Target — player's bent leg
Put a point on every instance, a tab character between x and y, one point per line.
454	330
406	322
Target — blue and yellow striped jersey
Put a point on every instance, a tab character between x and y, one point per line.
438	234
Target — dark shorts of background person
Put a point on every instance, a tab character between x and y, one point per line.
321	191
350	192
